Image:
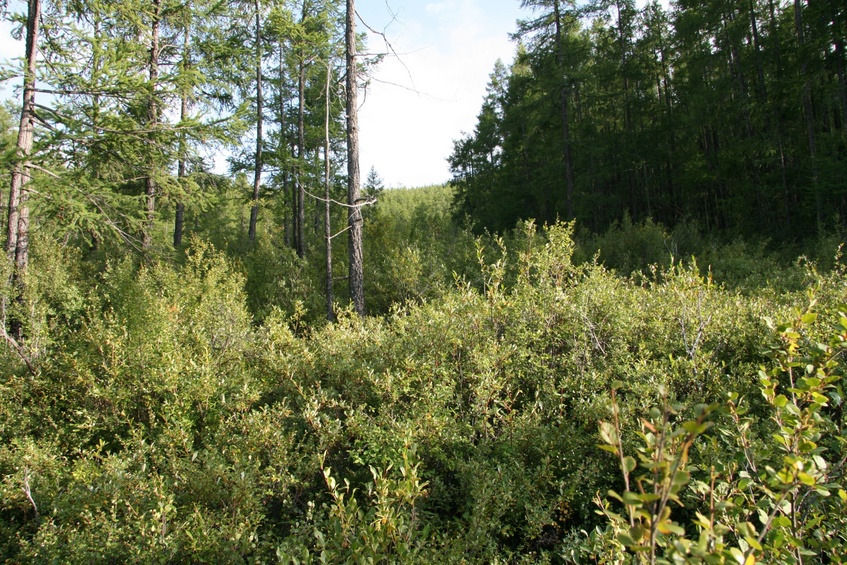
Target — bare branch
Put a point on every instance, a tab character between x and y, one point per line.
28	492
359	203
13	343
388	43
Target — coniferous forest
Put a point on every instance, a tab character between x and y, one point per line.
616	336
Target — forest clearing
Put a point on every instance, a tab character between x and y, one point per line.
616	335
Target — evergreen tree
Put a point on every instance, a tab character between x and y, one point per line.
727	112
373	183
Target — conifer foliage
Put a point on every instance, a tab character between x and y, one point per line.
728	113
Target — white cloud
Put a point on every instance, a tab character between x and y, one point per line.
436	8
407	135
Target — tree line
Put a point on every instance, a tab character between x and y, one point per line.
729	113
125	106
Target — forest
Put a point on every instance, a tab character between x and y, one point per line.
617	335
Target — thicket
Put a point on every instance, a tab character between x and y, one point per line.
173	410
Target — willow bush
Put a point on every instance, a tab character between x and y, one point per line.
161	422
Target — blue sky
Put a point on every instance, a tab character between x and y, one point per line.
416	106
419	102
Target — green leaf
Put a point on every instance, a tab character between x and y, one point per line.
782	522
754	543
669	527
820	399
626	539
681	478
610	448
696	428
632	499
738	555
806	479
608	433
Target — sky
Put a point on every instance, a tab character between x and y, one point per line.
422	100
418	102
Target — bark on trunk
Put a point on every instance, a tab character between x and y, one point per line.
301	151
257	171
842	83
808	112
282	148
757	44
356	274
181	167
330	312
17	236
566	130
150	187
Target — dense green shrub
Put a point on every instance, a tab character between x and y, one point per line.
162	421
767	490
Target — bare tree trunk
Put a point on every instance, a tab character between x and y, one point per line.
181	168
301	151
330	313
295	228
257	171
150	187
757	44
777	48
287	222
17	237
808	112
566	130
318	214
179	221
842	83
356	274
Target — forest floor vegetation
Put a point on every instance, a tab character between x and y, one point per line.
523	399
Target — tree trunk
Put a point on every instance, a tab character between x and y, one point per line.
330	313
301	152
181	167
808	112
777	120
757	44
566	130
181	173
17	237
152	122
282	149
842	83
257	171
295	227
356	274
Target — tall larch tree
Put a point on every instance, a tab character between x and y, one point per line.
153	115
550	26
17	237
354	250
260	121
